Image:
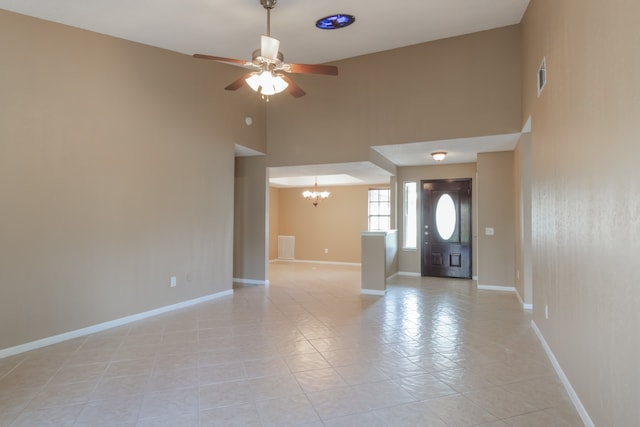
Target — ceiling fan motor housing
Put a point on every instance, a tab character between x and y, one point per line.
268	4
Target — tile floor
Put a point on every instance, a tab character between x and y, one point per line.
307	351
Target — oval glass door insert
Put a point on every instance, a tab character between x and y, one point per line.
446	217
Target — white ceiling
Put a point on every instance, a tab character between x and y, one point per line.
232	28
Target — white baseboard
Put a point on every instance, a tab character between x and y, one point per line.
373	292
527	307
409	274
497	288
353	264
251	282
586	419
107	325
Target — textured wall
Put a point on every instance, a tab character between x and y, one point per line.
116	173
586	196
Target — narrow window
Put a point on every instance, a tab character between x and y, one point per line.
410	216
379	209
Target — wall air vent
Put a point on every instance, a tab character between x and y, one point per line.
542	75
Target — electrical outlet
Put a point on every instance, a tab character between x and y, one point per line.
174	281
546	311
326	250
517	274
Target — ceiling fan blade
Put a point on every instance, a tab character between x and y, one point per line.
269	47
231	61
329	70
237	84
293	88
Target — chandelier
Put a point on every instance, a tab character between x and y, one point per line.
315	196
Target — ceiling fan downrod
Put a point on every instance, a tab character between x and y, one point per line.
268	4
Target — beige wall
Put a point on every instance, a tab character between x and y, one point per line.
250	243
522	217
458	87
586	196
409	260
274	221
335	223
496	210
116	171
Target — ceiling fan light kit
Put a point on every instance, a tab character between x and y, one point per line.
267	63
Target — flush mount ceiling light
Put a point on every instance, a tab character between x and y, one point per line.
439	156
334	22
315	196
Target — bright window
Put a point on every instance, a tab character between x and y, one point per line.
410	215
379	209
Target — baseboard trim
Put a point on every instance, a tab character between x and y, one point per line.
527	307
586	419
409	274
55	339
352	264
373	292
497	288
251	282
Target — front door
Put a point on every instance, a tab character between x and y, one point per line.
446	228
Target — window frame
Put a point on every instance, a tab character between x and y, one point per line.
378	203
409	232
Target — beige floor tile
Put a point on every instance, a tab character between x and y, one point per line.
361	374
382	394
338	402
53	395
306	362
308	350
424	387
60	416
165	404
409	415
245	415
367	419
129	367
265	367
319	379
185	420
120	386
500	402
109	412
458	411
557	417
287	411
221	373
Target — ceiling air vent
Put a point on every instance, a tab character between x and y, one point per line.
542	75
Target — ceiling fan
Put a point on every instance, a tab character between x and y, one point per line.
268	66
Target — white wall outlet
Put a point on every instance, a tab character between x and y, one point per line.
326	250
174	281
517	274
488	231
546	311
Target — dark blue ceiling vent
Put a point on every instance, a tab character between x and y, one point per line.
333	22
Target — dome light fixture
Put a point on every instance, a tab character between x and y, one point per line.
439	156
